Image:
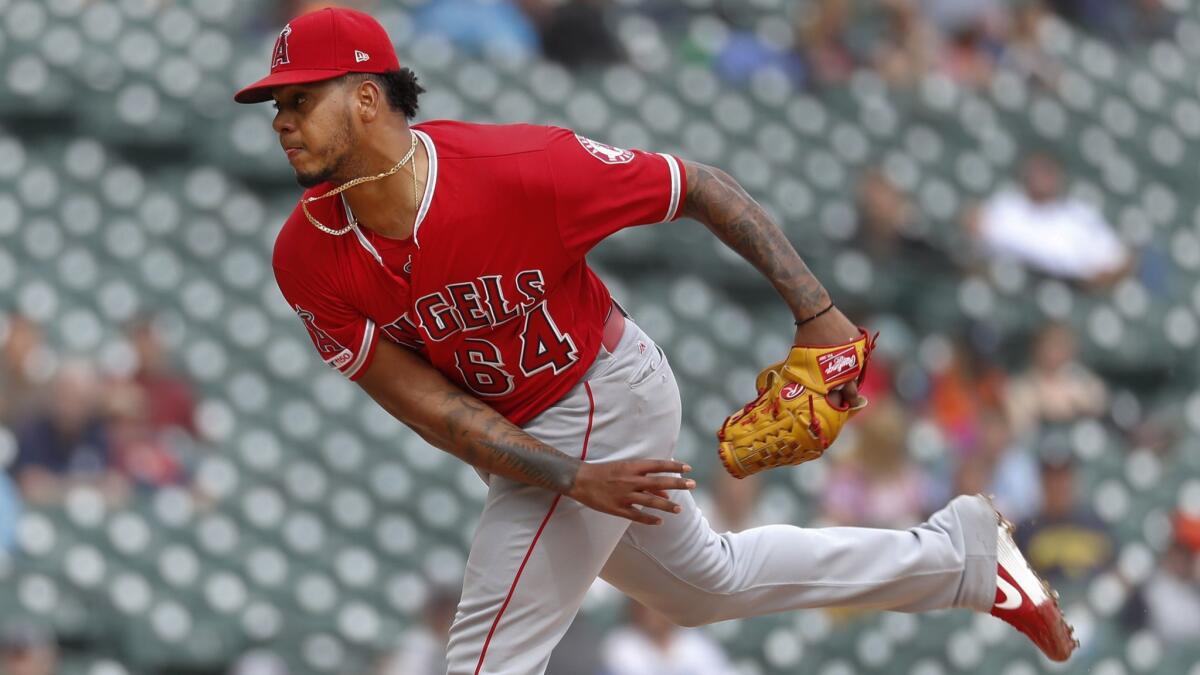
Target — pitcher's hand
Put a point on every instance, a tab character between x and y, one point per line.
618	488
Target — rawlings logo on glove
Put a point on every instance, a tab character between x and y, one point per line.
792	421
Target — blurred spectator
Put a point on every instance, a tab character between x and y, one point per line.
68	442
259	662
168	398
876	485
889	228
997	465
969	56
1042	227
479	27
825	41
1066	541
153	413
909	46
1056	388
744	54
575	32
961	389
21	356
27	649
651	645
422	651
1171	596
1023	50
892	233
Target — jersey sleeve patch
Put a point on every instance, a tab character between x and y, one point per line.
341	358
609	154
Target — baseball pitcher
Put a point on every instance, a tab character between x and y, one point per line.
442	267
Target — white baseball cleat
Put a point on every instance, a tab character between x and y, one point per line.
1026	602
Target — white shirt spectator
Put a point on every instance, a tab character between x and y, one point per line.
1173	605
628	651
1062	237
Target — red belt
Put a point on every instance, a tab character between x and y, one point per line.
614	328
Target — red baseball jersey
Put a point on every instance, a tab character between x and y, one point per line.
492	288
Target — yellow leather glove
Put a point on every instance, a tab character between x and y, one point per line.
792	421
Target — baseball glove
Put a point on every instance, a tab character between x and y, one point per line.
792	421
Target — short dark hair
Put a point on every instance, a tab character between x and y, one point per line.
401	87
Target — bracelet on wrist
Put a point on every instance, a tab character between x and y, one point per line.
801	322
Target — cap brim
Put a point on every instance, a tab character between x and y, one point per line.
261	91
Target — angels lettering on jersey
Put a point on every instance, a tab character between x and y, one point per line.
493	287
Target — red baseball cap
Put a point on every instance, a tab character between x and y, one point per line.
322	45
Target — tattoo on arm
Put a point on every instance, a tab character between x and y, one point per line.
715	199
481	437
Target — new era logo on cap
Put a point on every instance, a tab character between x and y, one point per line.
360	56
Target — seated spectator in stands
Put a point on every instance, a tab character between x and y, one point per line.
998	466
876	484
575	32
824	36
1024	52
1171	597
153	414
889	228
968	56
479	27
890	231
909	46
169	400
966	385
27	649
744	54
651	645
1065	541
22	358
1014	476
1056	388
423	651
68	442
1042	227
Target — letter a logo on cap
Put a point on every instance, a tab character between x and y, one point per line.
359	57
280	56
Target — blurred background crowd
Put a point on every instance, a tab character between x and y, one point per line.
1003	188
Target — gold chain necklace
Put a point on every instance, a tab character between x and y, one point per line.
410	155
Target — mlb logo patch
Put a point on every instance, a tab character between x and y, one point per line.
838	365
604	152
341	359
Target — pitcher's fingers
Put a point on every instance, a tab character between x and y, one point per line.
660	493
645	466
667	483
652	502
639	516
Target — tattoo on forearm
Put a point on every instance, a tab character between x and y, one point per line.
716	199
484	439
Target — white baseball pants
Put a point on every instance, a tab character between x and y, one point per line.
535	553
